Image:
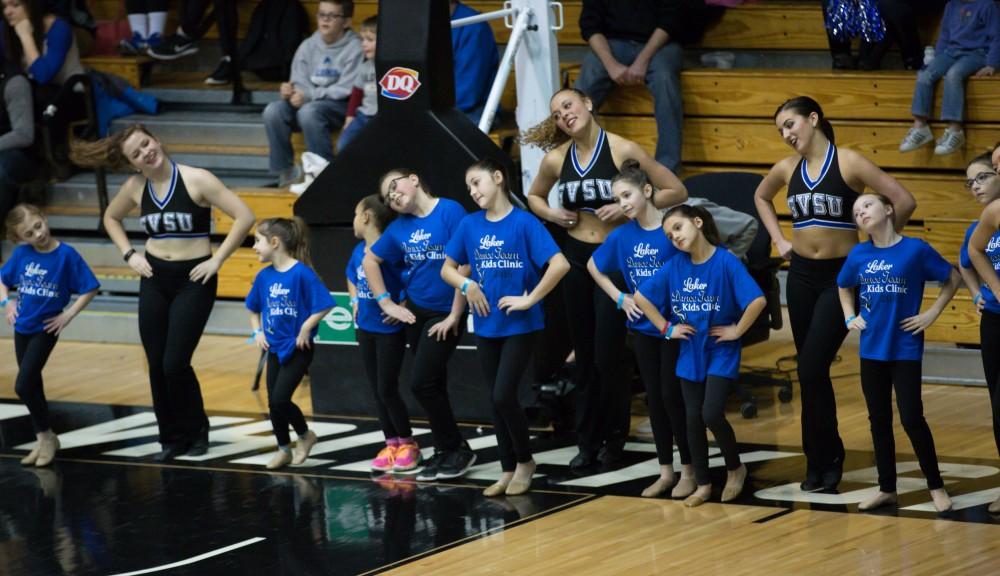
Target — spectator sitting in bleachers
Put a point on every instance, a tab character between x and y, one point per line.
634	42
17	134
148	20
363	102
77	13
900	19
476	62
968	44
315	99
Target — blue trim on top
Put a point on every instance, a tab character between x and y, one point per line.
181	235
581	172
170	191
820	223
827	162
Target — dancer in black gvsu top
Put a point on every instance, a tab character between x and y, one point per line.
823	183
583	159
178	270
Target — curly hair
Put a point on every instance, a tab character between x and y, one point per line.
546	134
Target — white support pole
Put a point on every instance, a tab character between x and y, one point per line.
503	72
484	17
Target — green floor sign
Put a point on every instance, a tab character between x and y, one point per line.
337	326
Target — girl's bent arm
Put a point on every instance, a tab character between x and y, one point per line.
985	230
763	198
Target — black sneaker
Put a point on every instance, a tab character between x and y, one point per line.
611	453
812	483
430	470
169	452
584	459
199	447
223	73
832	476
177	46
456	463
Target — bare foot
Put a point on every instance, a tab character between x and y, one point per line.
734	483
942	502
699	497
878	500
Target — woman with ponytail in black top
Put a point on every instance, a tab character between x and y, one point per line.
823	182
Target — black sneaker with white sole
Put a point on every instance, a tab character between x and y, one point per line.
223	73
177	46
456	463
430	470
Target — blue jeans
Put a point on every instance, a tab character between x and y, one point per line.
352	130
664	83
954	67
316	119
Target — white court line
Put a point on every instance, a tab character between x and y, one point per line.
194	559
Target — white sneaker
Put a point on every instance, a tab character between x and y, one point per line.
950	142
312	165
915	138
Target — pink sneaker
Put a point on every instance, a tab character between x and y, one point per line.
385	459
407	457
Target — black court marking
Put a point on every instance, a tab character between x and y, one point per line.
774	516
97	513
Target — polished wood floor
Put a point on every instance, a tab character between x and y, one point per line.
613	535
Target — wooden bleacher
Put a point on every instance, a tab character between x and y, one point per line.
728	122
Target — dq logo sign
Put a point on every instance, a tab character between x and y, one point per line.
400	83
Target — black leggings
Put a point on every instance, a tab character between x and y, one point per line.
224	13
282	380
705	403
657	361
989	341
504	361
818	329
32	352
597	329
877	382
429	376
173	312
146	6
382	355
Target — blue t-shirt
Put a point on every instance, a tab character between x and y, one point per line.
637	254
284	301
713	293
891	282
369	313
419	243
507	258
44	283
993	253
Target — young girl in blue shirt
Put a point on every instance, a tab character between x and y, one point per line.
286	303
637	249
713	302
507	249
434	312
381	340
45	272
888	272
984	184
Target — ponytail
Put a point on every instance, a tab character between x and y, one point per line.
293	234
106	152
804	106
708	227
546	134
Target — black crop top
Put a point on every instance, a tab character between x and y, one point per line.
176	216
588	187
827	202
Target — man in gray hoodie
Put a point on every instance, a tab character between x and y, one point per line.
315	99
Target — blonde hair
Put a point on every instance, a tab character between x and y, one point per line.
293	234
106	152
546	134
17	215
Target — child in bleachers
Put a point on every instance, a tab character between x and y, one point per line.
148	20
969	44
363	103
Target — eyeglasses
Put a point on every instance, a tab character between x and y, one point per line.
391	189
980	179
329	15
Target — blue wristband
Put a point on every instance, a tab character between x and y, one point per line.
621	298
354	300
465	286
381	296
975	301
670	331
253	335
849	320
3	303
